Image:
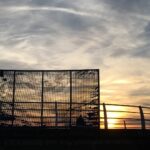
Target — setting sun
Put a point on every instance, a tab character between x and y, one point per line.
112	123
113	115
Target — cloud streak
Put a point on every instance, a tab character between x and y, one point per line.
53	9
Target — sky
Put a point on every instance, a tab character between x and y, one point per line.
111	35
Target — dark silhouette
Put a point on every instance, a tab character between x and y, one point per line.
80	121
1	73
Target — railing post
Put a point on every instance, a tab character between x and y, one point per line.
98	99
13	98
0	107
1	73
125	126
142	118
42	98
56	119
105	116
70	121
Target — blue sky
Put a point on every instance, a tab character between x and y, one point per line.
112	35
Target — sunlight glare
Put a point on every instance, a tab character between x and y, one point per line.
112	123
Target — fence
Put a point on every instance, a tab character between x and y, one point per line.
115	116
56	98
51	98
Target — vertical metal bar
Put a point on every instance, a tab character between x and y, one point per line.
42	98
56	119
98	100
105	116
125	126
142	118
1	73
13	98
1	107
70	121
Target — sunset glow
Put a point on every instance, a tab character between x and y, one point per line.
112	123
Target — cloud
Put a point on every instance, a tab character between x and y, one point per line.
147	28
141	52
56	34
34	2
13	64
119	53
144	52
141	92
127	6
55	9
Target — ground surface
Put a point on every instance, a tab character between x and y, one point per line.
72	139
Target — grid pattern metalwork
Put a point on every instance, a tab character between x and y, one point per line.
51	98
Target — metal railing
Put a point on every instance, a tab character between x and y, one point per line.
56	98
31	116
112	116
115	116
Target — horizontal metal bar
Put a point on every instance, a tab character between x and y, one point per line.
34	109
38	102
122	111
122	118
120	105
49	109
67	70
43	116
16	102
145	107
125	105
146	113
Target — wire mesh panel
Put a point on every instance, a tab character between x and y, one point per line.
85	97
54	98
27	102
6	97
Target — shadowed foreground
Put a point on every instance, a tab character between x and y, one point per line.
89	139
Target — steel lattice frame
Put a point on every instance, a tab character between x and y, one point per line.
52	98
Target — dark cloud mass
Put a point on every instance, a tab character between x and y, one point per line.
144	52
128	6
144	91
112	35
13	64
119	53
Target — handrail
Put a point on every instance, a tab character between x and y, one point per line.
112	115
122	115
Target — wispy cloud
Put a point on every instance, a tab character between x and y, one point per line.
54	9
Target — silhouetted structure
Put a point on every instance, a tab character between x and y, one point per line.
80	122
119	116
56	98
75	139
50	98
31	99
